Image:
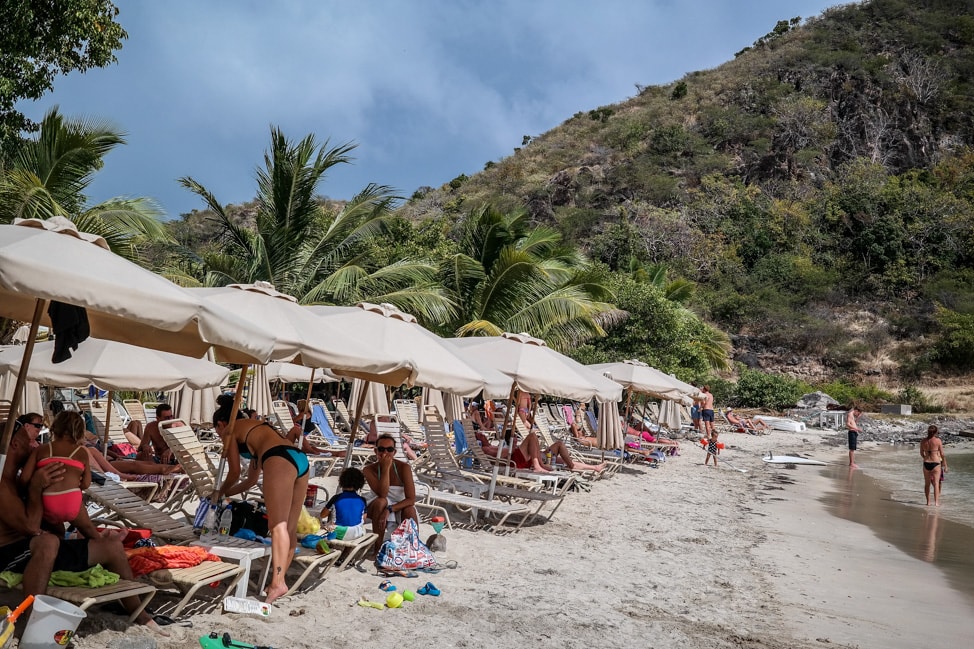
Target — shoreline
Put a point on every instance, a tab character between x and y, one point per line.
682	556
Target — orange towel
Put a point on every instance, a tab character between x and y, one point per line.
145	560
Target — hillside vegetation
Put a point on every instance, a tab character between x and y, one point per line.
818	190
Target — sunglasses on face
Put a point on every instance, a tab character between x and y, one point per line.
385	449
35	425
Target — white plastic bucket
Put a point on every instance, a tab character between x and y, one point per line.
52	623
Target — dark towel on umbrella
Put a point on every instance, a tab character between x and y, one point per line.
70	326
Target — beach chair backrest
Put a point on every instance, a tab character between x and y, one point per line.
135	409
282	415
190	454
98	410
342	409
149	410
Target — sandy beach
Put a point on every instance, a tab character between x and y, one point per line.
680	556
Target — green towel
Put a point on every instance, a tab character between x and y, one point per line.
91	578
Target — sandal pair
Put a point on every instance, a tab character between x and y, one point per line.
429	589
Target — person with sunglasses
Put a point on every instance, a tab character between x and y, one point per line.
33	423
391	481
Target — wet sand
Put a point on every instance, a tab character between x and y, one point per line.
852	566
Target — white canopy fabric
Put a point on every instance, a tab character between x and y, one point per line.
30	399
537	368
195	407
376	400
114	366
291	373
642	378
299	336
669	415
437	365
51	260
259	395
609	433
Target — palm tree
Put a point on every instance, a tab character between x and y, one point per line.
304	251
50	174
507	276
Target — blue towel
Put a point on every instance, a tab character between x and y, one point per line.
318	417
460	444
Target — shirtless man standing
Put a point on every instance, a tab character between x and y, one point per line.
707	411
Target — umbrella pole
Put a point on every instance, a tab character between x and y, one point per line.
508	412
307	409
108	416
355	422
628	406
234	409
8	429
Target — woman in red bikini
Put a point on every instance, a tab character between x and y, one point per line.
62	500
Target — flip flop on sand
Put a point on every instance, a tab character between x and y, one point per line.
429	589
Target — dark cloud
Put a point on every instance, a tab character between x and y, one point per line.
427	89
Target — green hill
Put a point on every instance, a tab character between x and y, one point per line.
818	188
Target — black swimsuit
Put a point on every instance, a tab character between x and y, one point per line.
289	453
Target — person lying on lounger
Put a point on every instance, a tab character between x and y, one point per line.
527	454
744	424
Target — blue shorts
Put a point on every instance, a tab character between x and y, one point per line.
707	415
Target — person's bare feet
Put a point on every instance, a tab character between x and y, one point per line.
273	592
146	620
853	466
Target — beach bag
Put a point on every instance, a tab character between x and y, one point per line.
404	550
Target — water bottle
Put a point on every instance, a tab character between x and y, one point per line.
226	519
209	531
548	458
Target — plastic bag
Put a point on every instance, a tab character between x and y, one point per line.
308	524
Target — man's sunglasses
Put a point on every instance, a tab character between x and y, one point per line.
385	449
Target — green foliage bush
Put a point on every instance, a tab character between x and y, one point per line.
955	349
868	397
756	389
921	403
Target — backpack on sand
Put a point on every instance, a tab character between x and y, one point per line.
404	550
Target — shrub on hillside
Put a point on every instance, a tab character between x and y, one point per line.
921	403
867	397
760	390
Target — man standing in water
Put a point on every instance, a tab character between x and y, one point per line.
852	424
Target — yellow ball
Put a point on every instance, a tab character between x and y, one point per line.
394	600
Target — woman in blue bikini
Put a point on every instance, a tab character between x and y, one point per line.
285	484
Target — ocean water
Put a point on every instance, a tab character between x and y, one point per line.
886	495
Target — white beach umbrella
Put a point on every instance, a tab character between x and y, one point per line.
641	378
112	365
669	415
49	260
536	368
608	434
259	395
302	338
291	373
195	407
436	364
371	397
30	393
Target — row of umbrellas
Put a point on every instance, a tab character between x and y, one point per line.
49	260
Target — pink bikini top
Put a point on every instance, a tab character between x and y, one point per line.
68	461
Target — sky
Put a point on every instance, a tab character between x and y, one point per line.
426	89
